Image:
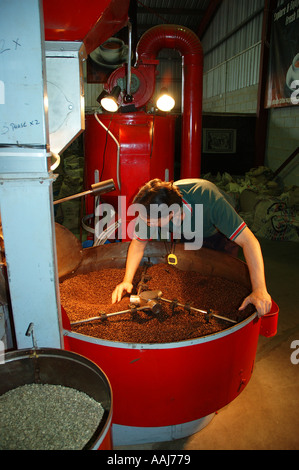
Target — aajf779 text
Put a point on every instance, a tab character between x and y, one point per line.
166	460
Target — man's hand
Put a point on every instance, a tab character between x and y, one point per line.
259	296
260	299
120	290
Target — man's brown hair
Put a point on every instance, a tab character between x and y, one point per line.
158	192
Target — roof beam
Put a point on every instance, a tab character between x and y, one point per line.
170	11
262	112
207	18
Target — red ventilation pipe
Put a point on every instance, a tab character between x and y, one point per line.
188	45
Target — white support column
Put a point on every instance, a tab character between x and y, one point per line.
26	205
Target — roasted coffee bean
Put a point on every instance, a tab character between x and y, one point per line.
86	295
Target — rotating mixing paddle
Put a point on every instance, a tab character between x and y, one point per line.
147	304
157	294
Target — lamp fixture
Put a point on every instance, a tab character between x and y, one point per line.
109	101
165	102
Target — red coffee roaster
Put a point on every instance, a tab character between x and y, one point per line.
168	391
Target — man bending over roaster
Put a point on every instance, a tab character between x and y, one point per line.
198	213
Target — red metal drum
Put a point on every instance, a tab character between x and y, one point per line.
168	391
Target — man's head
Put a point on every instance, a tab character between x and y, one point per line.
161	199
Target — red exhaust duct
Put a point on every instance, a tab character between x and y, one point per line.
187	43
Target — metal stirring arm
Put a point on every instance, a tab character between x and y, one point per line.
104	316
150	298
157	294
206	312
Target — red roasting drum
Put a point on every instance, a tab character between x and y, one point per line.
171	390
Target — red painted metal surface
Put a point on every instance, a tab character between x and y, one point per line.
107	443
188	44
91	22
181	383
269	322
146	152
178	384
168	384
145	74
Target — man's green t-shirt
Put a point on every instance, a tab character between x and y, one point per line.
215	211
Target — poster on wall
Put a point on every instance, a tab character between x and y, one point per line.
219	140
283	76
105	59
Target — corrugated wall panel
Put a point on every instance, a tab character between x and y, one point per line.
242	70
214	81
91	92
234	74
232	47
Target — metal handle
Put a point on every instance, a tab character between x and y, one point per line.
101	187
30	332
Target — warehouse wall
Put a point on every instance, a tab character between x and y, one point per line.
232	46
238	101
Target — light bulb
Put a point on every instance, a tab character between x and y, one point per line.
165	102
109	104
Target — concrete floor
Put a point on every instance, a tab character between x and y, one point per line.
265	416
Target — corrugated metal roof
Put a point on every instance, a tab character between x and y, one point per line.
183	12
